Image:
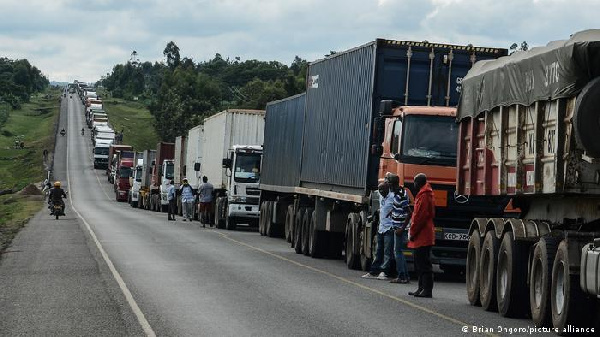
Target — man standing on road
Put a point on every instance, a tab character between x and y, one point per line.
385	236
400	218
171	198
187	200
205	193
421	235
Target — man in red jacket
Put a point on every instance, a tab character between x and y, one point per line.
421	236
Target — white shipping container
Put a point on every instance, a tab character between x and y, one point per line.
193	155
221	132
179	160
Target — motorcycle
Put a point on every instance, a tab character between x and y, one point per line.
63	132
58	209
82	131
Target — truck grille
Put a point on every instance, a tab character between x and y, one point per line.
252	191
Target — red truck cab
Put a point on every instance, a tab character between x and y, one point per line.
123	173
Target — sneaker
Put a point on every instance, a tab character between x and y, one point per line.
400	280
383	276
369	275
183	219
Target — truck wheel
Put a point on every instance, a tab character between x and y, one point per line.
511	287
352	259
306	231
472	268
289	223
570	306
487	271
315	240
298	230
269	225
365	262
134	204
220	216
261	218
230	223
540	281
585	119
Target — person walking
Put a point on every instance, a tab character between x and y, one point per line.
421	235
172	208
385	236
205	196
400	218
187	200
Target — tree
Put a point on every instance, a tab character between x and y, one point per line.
171	53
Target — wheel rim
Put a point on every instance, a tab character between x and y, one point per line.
559	291
503	276
537	283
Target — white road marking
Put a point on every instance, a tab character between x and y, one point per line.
122	285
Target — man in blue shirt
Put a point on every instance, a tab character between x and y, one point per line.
400	218
171	199
187	200
385	236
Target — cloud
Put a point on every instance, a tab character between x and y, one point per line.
72	39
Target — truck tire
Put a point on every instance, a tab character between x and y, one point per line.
315	240
269	225
365	262
569	305
220	213
134	204
261	218
540	281
230	223
306	231
511	287
472	268
289	223
298	230
585	119
487	271
352	259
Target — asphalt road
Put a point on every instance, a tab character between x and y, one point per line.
107	269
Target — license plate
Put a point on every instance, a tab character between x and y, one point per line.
456	236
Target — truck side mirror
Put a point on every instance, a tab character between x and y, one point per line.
386	107
226	163
197	167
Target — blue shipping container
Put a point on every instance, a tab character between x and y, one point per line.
282	149
343	96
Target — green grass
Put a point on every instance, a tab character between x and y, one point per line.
34	124
135	120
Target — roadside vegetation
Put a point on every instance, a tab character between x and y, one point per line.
180	92
134	119
33	127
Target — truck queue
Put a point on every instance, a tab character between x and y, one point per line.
514	171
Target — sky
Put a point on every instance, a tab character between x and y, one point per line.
82	40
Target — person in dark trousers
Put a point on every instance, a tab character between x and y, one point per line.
400	215
421	235
172	209
55	197
381	266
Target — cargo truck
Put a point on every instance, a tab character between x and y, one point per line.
123	172
231	154
112	152
101	150
326	150
529	130
162	172
135	181
149	157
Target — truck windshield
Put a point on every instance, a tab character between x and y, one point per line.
125	172
138	174
103	151
247	168
170	170
429	140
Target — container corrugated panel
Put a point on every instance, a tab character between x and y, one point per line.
282	150
194	154
179	159
343	96
149	157
221	132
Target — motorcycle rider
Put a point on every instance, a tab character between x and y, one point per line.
56	196
82	131
63	132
